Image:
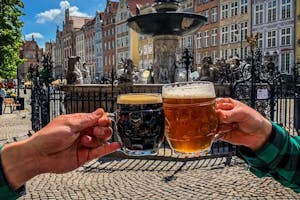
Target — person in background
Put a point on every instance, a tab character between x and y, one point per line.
268	149
65	144
2	96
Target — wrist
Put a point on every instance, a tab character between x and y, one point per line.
262	135
18	163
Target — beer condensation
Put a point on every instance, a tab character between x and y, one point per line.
191	121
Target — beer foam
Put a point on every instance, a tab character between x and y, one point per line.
139	98
189	91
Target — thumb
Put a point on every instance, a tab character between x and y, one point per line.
81	121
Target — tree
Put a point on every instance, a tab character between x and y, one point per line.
10	37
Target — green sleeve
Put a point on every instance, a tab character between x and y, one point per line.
279	158
6	192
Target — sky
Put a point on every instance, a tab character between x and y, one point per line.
42	17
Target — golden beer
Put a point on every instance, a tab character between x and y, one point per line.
190	118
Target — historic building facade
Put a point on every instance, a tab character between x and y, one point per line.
145	44
58	70
126	38
32	53
297	36
98	44
274	22
187	40
207	38
80	44
234	27
89	38
108	37
67	37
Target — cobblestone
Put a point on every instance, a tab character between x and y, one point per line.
140	179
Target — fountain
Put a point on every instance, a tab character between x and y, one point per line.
166	25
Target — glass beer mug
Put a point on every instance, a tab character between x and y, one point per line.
140	123
190	117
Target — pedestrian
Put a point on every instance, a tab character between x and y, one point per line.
268	149
2	96
65	144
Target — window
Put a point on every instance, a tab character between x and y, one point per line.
286	63
271	39
206	14
272	11
234	33
285	36
190	41
234	52
206	36
244	30
224	35
214	15
244	6
285	9
260	40
259	13
224	54
234	9
224	11
198	40
214	34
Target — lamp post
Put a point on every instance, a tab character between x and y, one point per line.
187	59
252	41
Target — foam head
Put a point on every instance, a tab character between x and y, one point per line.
190	90
139	98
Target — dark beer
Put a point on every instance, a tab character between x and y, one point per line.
191	121
140	123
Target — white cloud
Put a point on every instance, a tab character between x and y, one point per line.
35	35
57	15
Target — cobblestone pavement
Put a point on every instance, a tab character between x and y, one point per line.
124	178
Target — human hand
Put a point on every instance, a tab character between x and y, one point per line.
241	125
66	143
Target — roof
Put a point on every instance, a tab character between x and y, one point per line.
78	22
134	5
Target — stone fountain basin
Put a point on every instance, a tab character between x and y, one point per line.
167	23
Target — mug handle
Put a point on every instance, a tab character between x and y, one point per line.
112	117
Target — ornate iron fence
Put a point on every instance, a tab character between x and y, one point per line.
259	85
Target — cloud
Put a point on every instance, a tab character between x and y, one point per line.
57	15
35	35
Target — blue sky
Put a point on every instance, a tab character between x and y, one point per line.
42	17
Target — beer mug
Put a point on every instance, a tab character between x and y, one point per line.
190	117
140	123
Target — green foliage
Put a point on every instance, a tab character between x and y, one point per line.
10	37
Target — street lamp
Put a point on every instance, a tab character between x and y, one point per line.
252	41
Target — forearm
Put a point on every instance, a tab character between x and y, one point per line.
279	158
18	162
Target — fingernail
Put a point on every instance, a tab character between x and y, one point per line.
98	112
104	121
